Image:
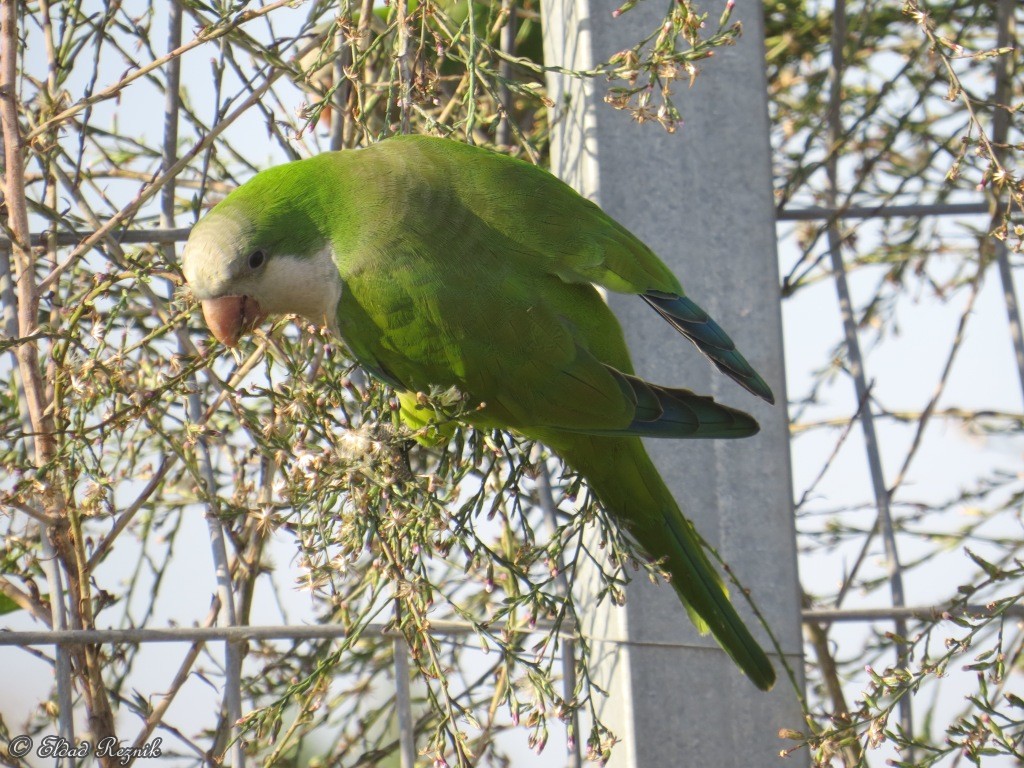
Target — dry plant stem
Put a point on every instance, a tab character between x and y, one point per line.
254	533
62	655
403	703
155	718
404	70
342	57
472	72
940	387
467	81
993	153
856	364
240	562
156	715
88	661
355	109
436	669
99	174
26	601
1000	131
17	217
508	42
147	192
547	503
847	425
857	184
922	418
112	91
232	695
817	636
966	415
232	651
128	515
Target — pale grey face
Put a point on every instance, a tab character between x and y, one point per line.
240	283
219	257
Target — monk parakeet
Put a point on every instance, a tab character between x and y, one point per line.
445	265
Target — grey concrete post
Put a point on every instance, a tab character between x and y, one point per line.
702	199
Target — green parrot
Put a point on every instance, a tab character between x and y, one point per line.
440	264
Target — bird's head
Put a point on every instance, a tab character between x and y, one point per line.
259	252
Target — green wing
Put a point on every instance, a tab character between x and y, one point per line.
504	210
557	230
448	299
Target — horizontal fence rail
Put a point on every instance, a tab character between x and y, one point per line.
453	628
810	213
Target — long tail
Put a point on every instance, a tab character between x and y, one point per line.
622	475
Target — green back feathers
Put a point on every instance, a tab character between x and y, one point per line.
567	235
415	184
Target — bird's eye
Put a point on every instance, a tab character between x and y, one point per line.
256	259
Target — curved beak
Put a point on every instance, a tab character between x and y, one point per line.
228	317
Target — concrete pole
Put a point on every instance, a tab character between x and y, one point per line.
702	199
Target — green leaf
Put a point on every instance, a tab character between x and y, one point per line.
991	569
7	605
